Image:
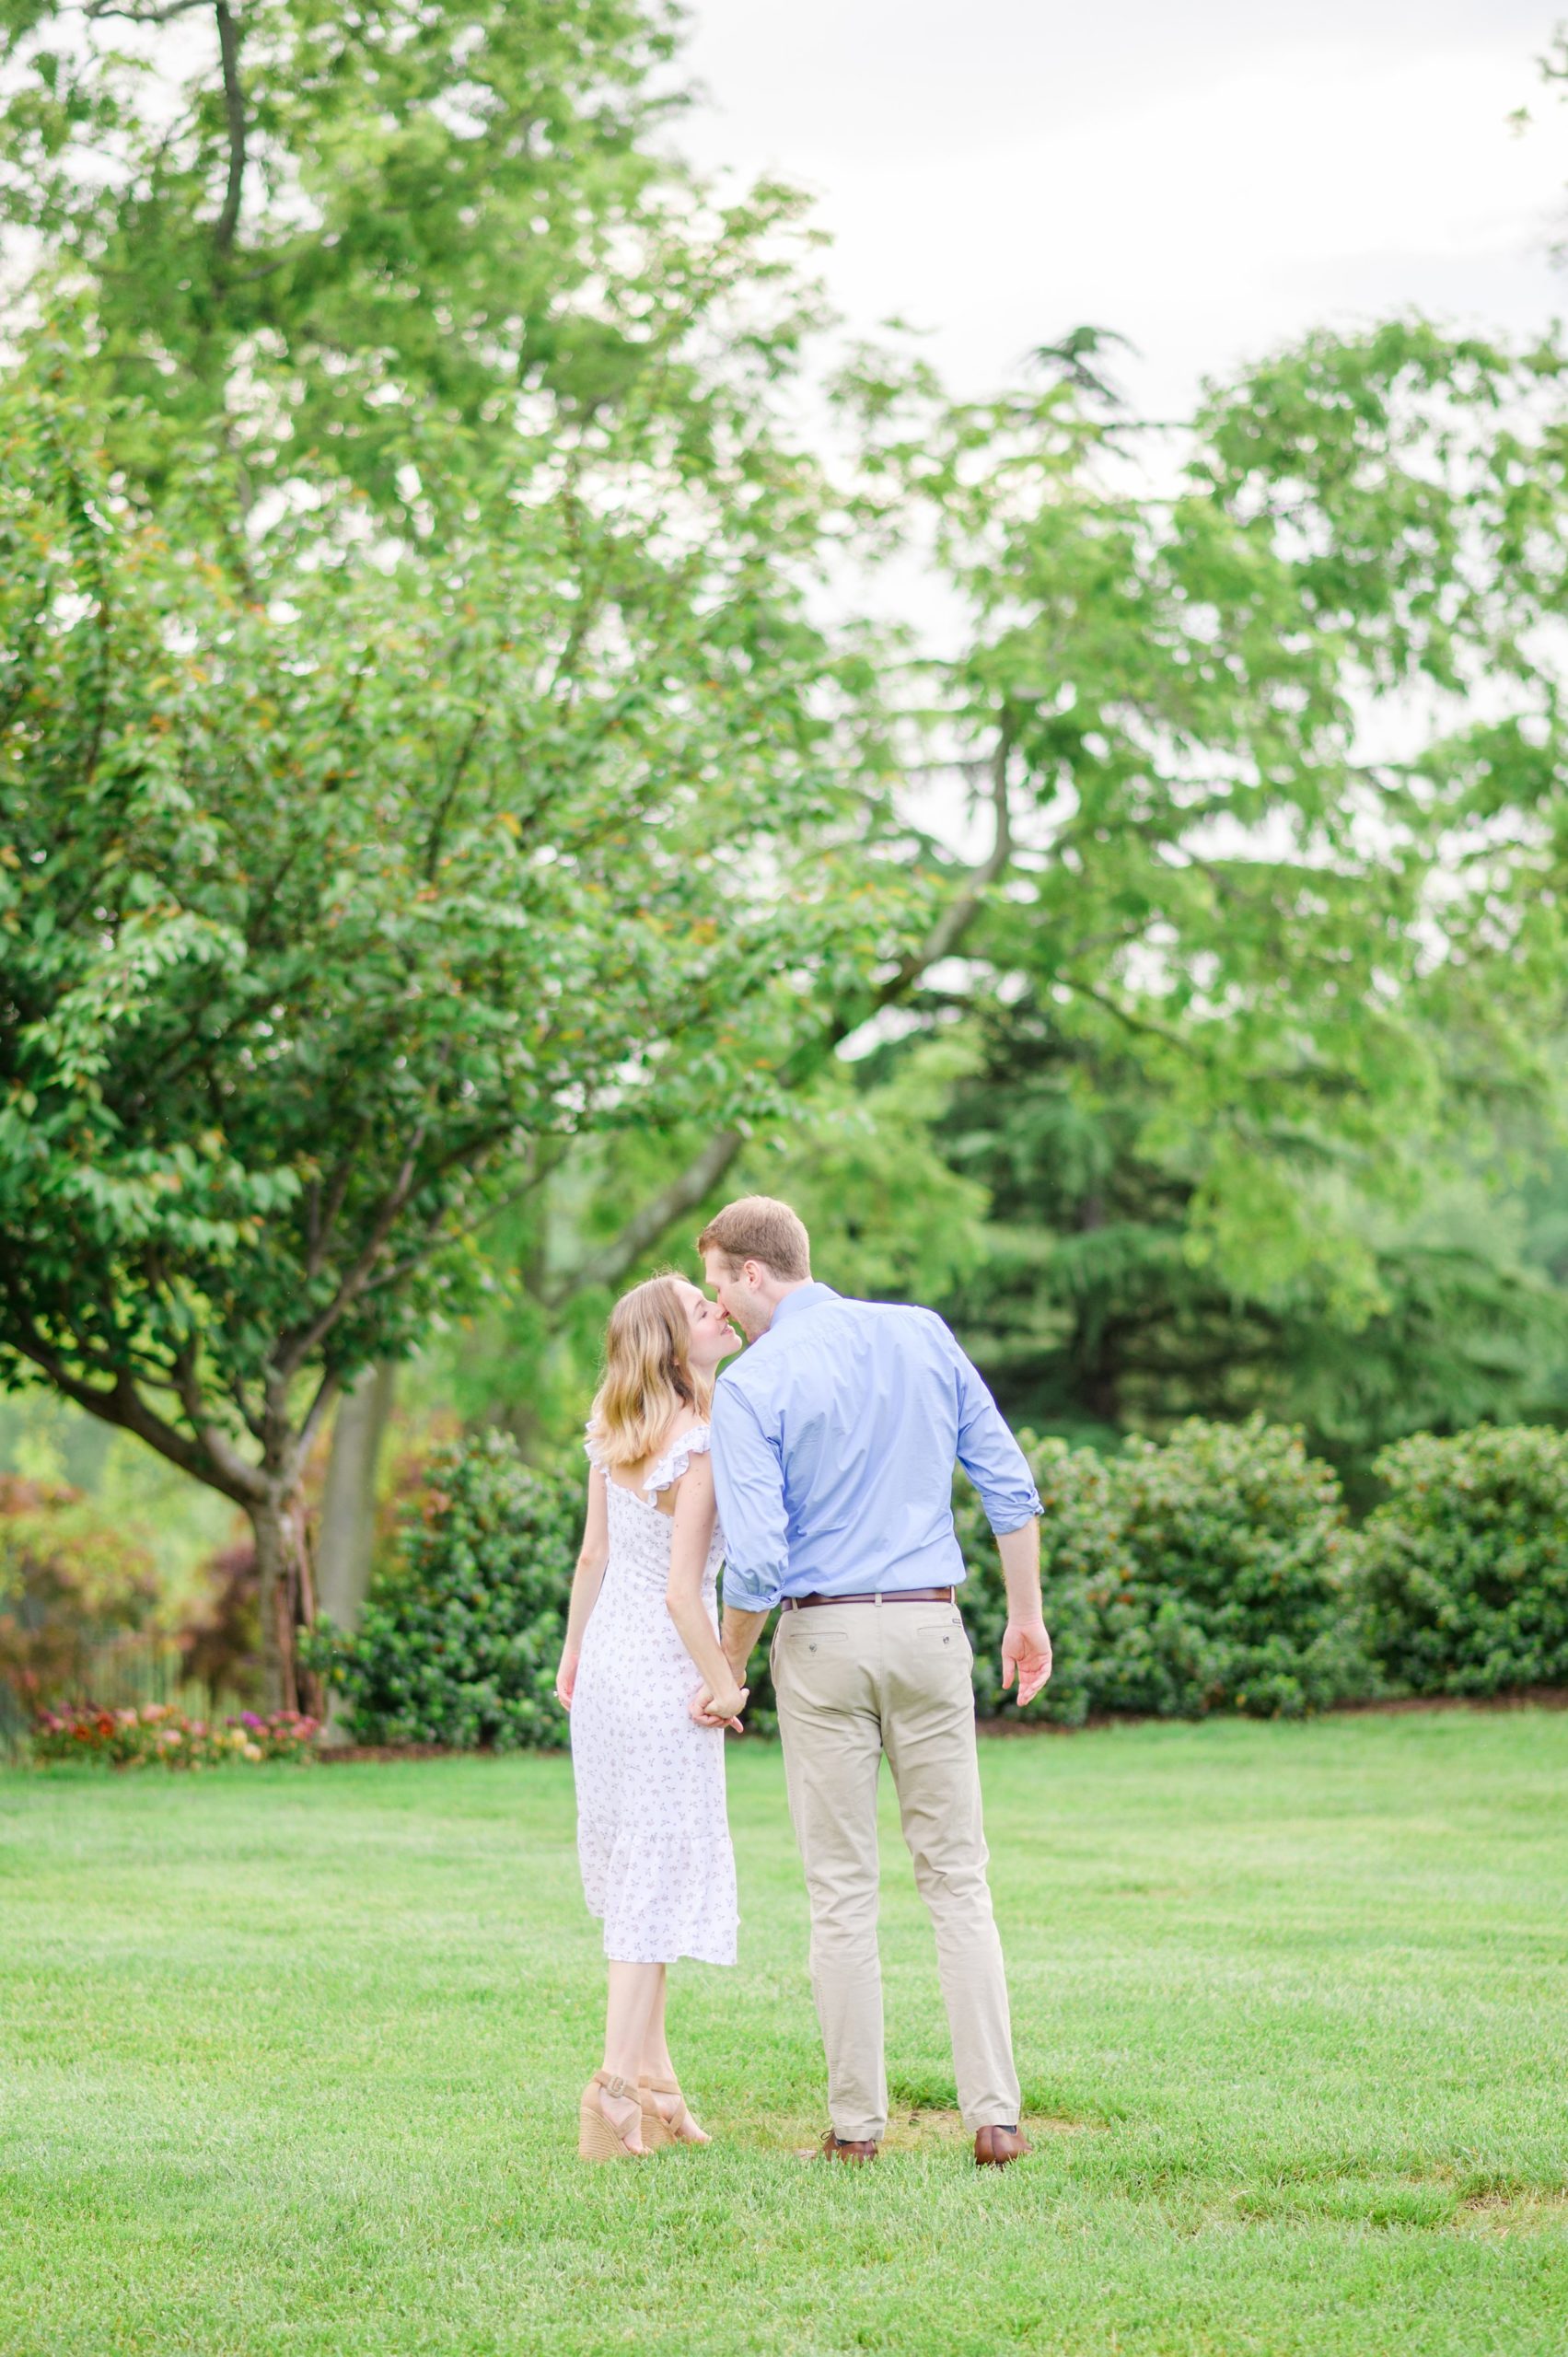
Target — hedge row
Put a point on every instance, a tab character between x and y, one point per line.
1215	1571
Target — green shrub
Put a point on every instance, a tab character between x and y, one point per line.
1079	1552
1210	1572
1466	1563
1238	1588
458	1642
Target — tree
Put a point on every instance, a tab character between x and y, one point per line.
414	723
469	395
1309	961
1092	1314
422	759
323	922
298	242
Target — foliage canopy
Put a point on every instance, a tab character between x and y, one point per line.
429	782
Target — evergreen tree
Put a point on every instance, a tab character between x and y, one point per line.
1093	1314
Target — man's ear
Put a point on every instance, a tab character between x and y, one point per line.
754	1274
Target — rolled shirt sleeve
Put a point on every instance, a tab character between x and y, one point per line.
748	1480
989	1454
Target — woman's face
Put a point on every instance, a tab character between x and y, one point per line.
713	1336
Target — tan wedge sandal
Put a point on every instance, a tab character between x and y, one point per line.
599	2139
661	2127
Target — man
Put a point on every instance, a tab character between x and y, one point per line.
835	1441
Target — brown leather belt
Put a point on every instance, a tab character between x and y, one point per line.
893	1596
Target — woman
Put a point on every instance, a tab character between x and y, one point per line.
642	1635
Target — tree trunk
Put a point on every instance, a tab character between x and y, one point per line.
347	1538
348	1507
1099	1365
274	1553
287	1600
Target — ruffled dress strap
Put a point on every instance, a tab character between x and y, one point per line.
593	1451
678	1456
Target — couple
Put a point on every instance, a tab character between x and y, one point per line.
820	1472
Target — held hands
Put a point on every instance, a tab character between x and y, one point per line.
710	1709
1026	1654
720	1709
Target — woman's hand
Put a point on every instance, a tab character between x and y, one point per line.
565	1678
721	1708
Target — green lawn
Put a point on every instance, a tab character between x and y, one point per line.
290	2062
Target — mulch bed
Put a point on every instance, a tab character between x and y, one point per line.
1524	1698
354	1755
1527	1698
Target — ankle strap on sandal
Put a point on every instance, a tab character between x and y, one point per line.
620	2090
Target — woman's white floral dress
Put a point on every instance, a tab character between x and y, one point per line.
653	1832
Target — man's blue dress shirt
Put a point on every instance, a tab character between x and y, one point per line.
835	1441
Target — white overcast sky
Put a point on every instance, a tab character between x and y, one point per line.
1208	176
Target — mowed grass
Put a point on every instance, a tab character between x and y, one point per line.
291	2060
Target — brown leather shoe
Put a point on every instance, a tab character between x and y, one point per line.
834	2148
994	2147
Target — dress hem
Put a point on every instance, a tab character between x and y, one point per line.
682	1956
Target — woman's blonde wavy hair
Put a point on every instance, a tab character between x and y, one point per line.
649	1376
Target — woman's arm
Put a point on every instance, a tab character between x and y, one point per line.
586	1581
695	1512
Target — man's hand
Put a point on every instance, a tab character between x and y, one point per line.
566	1679
1026	1654
723	1710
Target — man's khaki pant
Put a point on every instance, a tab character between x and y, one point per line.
853	1681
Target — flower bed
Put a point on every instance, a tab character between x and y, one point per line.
159	1735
